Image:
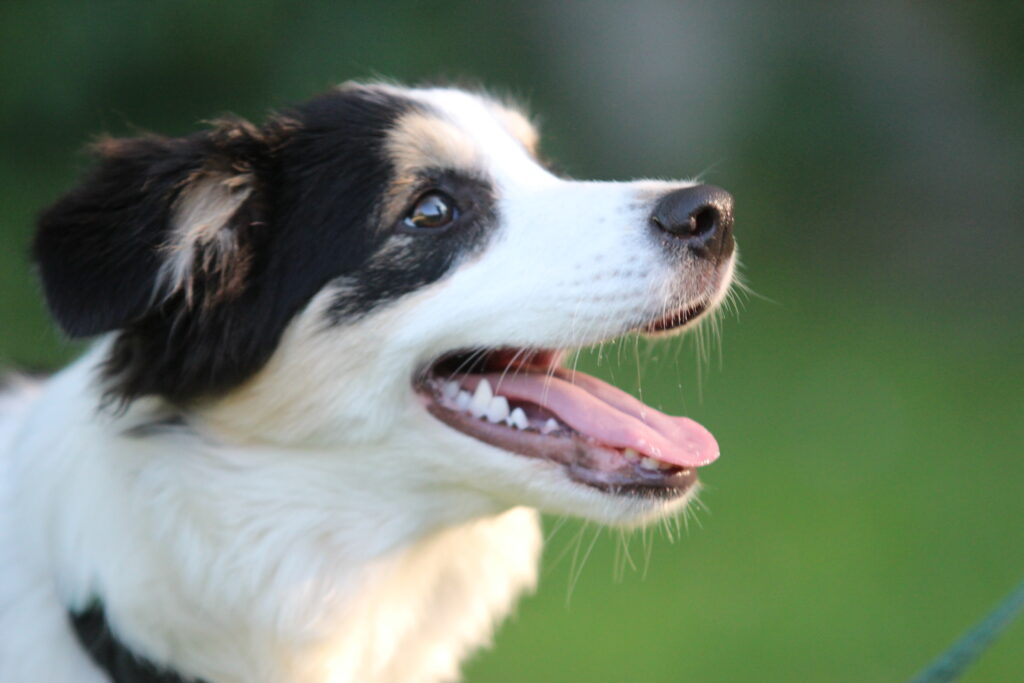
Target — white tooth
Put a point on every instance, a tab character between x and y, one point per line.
497	410
631	455
481	399
518	419
648	463
550	426
450	390
463	400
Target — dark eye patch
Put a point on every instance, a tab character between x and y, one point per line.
406	259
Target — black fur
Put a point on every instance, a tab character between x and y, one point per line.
98	247
317	174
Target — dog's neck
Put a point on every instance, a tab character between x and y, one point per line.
259	564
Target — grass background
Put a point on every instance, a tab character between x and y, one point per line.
868	504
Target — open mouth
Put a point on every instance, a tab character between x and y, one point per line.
523	401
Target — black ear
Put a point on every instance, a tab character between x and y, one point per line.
157	219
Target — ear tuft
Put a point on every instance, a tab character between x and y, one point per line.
156	220
205	243
97	247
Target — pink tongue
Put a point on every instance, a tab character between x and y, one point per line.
611	416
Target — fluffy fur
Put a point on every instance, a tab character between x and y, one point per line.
239	468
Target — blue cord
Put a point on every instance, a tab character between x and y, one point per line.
972	644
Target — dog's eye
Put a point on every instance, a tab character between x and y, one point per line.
432	211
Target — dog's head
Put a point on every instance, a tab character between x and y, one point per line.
392	273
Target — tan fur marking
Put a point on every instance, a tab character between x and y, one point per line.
201	242
421	141
396	196
520	127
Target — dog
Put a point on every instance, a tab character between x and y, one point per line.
326	396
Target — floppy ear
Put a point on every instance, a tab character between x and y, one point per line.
160	222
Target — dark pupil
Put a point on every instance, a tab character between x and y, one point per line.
432	212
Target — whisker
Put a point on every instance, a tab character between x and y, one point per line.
700	177
562	519
625	536
648	548
467	362
512	364
667	529
573	543
583	562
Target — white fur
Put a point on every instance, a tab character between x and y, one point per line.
243	562
317	524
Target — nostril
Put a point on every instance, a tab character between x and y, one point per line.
704	221
698	217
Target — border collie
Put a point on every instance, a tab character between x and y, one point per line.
326	397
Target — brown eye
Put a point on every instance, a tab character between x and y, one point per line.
432	211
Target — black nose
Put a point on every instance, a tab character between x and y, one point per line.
700	217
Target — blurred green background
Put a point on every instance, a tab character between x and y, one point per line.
868	505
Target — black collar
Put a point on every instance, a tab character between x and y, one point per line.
112	656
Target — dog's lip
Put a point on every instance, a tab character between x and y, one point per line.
683	315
